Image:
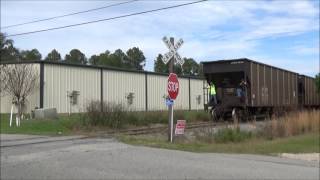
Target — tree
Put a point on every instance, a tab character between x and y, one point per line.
18	81
160	66
7	51
94	60
318	82
177	69
134	59
101	59
76	56
53	56
190	67
33	55
116	59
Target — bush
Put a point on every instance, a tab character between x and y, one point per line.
225	135
202	116
146	118
117	116
110	114
205	135
292	124
231	135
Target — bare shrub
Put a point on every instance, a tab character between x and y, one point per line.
18	81
105	114
292	124
223	135
205	135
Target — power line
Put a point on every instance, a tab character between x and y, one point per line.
106	19
70	14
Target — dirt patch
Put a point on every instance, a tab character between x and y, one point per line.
302	156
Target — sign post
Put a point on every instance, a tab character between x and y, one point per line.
173	91
173	83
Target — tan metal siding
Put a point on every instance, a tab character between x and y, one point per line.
32	101
117	85
157	91
182	101
59	79
196	91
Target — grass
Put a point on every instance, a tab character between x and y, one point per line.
64	124
161	117
297	132
307	143
294	123
78	124
117	116
231	135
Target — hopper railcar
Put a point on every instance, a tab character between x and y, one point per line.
308	96
268	90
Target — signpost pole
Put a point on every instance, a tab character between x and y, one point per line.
170	107
173	83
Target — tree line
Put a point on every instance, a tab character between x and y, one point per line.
132	59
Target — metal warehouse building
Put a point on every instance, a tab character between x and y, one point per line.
147	90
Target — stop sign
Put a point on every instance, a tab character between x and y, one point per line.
173	86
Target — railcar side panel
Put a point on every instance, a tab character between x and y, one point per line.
309	94
272	86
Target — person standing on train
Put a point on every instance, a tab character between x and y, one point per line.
243	87
213	97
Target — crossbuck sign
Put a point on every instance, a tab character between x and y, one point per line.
172	51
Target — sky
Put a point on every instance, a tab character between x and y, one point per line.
279	33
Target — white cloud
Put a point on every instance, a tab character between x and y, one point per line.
307	66
211	30
305	50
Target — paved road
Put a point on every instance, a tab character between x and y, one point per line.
40	157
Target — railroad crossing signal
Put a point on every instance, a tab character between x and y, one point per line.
173	83
172	51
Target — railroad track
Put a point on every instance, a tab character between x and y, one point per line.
135	131
163	129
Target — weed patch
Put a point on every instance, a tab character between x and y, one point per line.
292	124
231	135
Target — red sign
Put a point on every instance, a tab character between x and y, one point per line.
180	126
173	86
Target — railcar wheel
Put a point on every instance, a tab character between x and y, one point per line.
214	115
234	114
235	117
